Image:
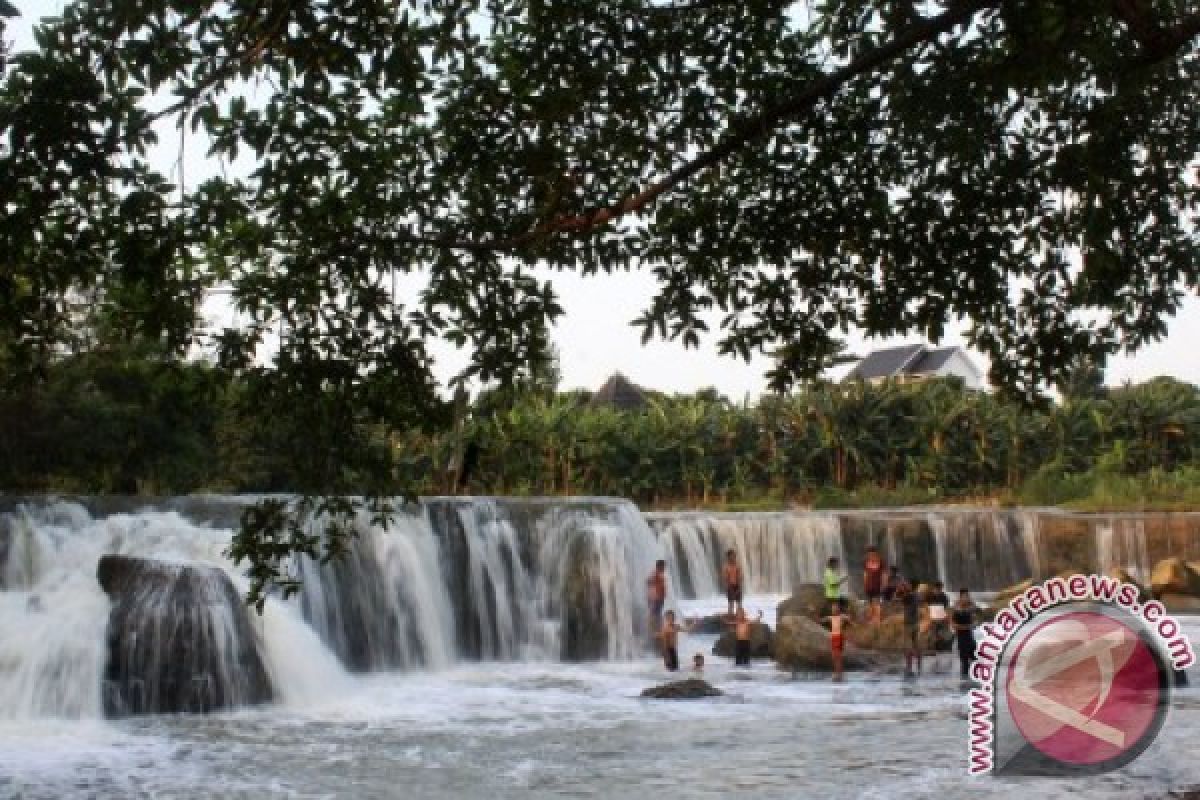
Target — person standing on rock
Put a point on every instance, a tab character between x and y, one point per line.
656	595
963	620
873	569
731	576
833	584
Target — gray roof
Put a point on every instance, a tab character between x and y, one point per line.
911	359
886	363
620	392
931	361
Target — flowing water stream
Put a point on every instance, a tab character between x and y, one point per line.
441	660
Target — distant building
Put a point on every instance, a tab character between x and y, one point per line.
916	362
620	393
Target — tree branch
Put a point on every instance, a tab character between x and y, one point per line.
740	134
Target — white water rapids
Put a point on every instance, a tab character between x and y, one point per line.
429	664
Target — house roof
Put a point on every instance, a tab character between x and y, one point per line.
931	360
620	392
913	359
886	363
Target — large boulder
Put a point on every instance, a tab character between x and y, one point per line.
1007	594
1124	577
807	600
585	623
1174	576
889	636
761	642
688	689
179	639
801	644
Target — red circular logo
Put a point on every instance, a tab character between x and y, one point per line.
1084	688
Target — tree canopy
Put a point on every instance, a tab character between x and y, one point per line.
800	169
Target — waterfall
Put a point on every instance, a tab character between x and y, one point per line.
1121	544
777	551
453	579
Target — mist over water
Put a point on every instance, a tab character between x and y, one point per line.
437	660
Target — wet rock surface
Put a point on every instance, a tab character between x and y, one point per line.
687	689
179	639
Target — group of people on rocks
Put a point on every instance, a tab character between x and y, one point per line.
931	622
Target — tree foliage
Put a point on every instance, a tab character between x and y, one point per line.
795	169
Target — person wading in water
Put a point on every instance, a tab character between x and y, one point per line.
963	620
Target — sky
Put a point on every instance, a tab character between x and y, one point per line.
594	337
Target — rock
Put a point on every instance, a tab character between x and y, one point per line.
888	636
712	625
1006	595
1180	603
688	689
1124	577
179	639
585	625
761	642
1174	576
802	644
807	600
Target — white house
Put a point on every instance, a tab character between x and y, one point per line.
917	362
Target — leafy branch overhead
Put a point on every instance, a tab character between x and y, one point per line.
787	170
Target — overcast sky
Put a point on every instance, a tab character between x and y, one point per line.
594	337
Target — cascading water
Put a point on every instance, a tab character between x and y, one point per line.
57	624
983	549
453	579
1121	544
776	551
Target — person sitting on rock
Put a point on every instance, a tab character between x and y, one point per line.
837	639
743	632
731	576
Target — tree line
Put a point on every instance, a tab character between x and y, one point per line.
112	421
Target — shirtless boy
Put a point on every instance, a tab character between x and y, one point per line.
731	576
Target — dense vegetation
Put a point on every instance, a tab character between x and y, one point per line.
100	424
786	169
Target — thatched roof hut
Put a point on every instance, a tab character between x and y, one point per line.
620	393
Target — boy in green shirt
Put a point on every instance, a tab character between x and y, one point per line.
833	584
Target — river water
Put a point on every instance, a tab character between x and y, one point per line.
512	721
501	730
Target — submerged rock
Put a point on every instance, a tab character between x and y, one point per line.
762	642
179	639
688	689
